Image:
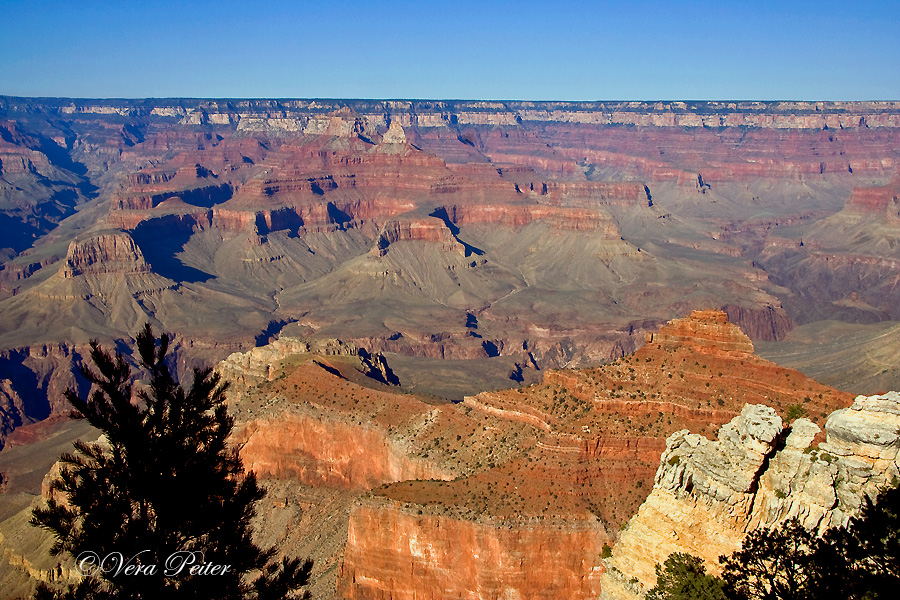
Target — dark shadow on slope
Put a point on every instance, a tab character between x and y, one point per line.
59	157
33	388
329	368
17	234
336	215
202	197
285	219
441	213
160	240
490	348
270	333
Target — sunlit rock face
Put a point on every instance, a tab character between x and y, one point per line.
759	473
393	552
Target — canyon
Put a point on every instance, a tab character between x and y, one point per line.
548	234
463	326
387	490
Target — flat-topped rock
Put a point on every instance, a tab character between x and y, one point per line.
706	331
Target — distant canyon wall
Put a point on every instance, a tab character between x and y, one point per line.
312	115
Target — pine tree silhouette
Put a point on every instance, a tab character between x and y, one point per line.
161	495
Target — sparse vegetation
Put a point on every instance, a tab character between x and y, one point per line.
796	411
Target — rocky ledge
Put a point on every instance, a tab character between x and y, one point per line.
709	494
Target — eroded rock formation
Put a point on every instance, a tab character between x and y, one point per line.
707	332
709	494
243	370
569	229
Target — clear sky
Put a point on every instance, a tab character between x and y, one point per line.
616	50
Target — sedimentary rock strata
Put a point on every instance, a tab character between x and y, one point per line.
591	442
568	229
394	552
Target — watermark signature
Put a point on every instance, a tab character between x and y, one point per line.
114	564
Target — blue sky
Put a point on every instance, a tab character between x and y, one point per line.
617	50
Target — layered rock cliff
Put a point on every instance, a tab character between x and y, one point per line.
588	444
707	332
243	370
709	494
105	253
398	552
32	382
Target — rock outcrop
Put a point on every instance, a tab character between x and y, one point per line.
554	222
883	201
589	442
106	253
244	370
396	552
328	453
32	382
704	331
394	134
709	494
766	323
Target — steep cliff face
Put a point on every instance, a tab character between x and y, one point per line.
40	186
758	473
588	443
767	323
568	230
561	218
328	453
881	201
243	370
393	552
106	269
707	332
32	382
105	253
417	230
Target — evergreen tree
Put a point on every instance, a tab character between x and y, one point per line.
857	562
683	577
161	508
863	560
773	564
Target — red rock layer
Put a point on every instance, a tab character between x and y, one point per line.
563	218
883	200
707	332
16	153
513	493
696	373
393	554
328	453
671	154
